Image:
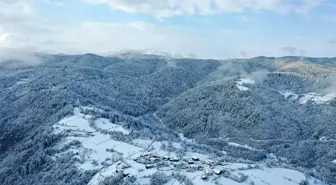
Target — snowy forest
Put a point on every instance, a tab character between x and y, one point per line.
274	106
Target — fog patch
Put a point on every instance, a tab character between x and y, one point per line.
171	63
228	66
331	85
258	76
244	54
25	55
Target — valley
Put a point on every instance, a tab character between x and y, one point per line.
149	119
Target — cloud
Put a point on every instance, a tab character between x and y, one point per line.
26	55
307	6
54	2
329	18
141	26
169	8
16	8
330	85
299	38
19	30
333	41
244	54
119	36
289	50
4	39
22	26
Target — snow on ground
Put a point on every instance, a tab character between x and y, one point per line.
110	157
274	177
107	125
94	144
23	81
91	108
236	166
312	96
278	176
156	145
241	82
334	161
195	177
74	123
185	139
98	144
226	181
242	146
197	155
325	139
172	182
290	95
104	173
317	98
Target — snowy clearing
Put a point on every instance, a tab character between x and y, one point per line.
141	158
105	124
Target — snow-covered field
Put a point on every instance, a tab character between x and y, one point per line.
105	124
141	157
312	96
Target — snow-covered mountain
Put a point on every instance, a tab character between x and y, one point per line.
149	119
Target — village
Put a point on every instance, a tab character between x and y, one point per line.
209	168
141	158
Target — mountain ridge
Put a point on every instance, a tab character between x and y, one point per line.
247	101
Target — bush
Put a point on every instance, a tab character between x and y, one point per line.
159	178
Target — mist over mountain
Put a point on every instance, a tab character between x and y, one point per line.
244	110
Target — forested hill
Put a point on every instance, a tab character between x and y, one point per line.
285	106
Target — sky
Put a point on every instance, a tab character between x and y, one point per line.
218	29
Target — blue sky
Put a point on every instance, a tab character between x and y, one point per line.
205	28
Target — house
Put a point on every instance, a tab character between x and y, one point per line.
154	156
181	165
145	154
217	172
204	177
89	133
208	170
174	159
210	162
195	158
149	166
153	160
195	168
125	174
190	162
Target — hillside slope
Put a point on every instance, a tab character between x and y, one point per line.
271	105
